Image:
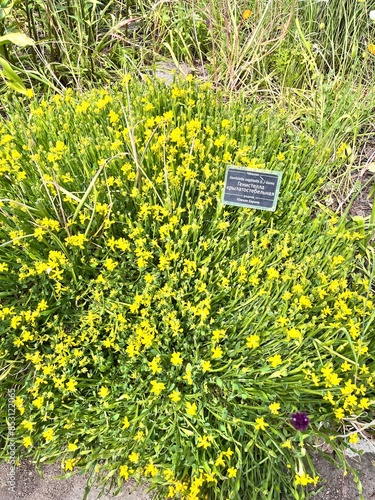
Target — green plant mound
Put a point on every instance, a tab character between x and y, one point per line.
150	331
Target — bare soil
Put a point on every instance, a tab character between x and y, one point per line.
335	485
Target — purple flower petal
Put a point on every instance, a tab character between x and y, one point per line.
300	421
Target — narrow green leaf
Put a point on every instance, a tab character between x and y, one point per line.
10	77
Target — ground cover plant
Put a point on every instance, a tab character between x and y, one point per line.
148	330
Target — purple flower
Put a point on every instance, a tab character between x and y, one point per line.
300	421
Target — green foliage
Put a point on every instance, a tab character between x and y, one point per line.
150	331
7	72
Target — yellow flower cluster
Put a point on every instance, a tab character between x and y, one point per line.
184	330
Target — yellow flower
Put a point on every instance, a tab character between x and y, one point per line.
364	404
110	264
69	464
157	387
260	424
206	366
154	365
253	341
38	402
339	413
371	48
232	472
275	360
345	366
246	14
283	321
28	425
219	460
113	117
294	333
48	435
77	240
287	444
353	439
124	472
304	479
72	446
134	457
274	407
217	352
305	301
272	273
151	469
217	335
125	423
71	385
188	376
343	151
191	409
175	396
27	441
176	358
203	442
103	392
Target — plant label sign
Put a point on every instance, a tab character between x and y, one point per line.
251	188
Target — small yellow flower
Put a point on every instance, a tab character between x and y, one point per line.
246	14
151	469
253	341
232	472
72	446
48	435
304	479
157	387
175	396
345	366
287	444
191	409
353	438
28	425
124	472
203	442
364	404
206	366
134	457
71	385
27	441
275	360
69	464
103	392
110	264
274	407
371	48
272	273
339	413
217	352
176	358
219	460
125	423
260	424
